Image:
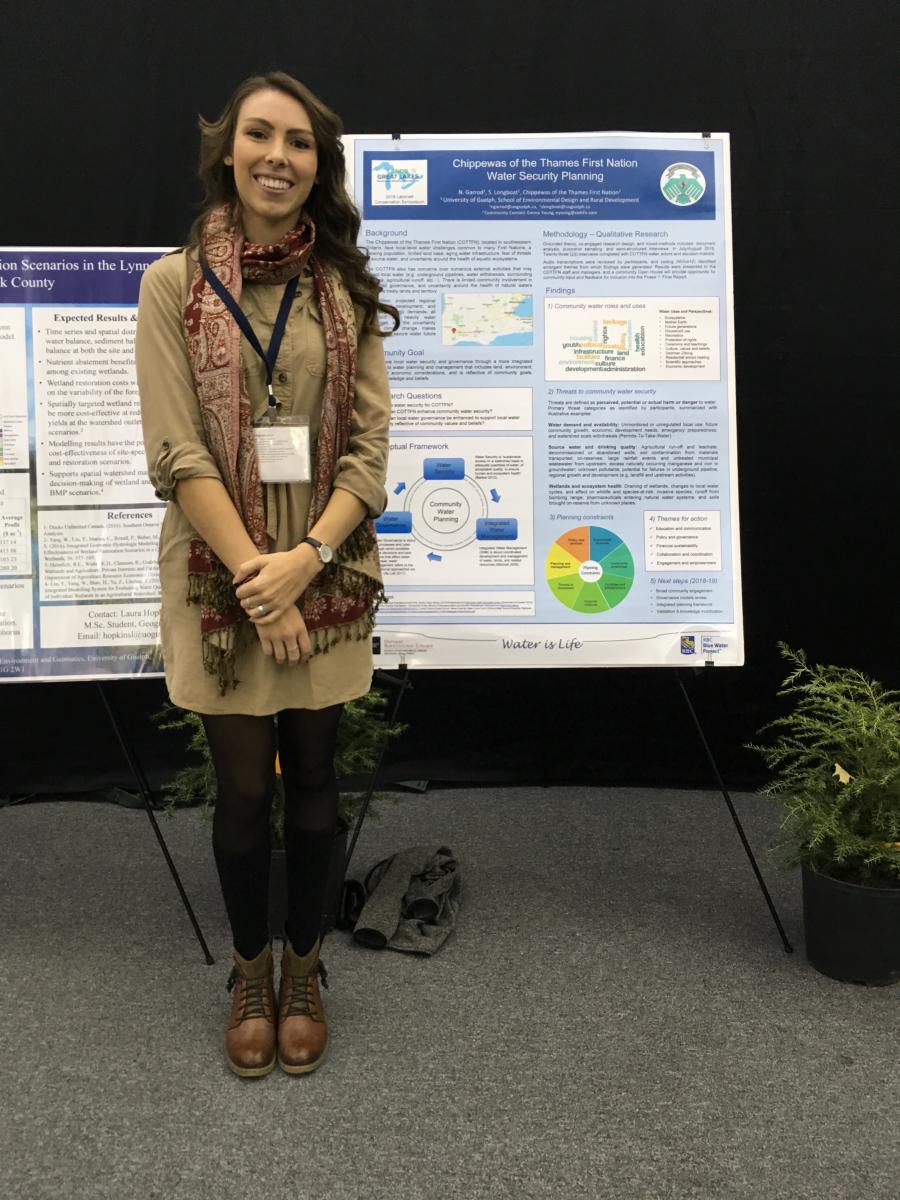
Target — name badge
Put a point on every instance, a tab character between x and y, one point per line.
282	448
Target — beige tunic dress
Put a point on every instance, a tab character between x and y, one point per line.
176	449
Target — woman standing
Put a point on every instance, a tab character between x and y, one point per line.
265	406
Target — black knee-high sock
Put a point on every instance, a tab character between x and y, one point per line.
243	754
306	742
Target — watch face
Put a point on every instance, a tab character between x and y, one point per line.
326	553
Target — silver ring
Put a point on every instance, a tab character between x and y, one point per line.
261	609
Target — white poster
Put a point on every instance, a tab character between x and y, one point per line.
79	522
562	484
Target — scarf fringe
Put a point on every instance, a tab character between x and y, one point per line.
322	640
214	592
154	658
360	543
212	589
220	657
358	628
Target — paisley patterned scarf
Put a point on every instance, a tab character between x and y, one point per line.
340	603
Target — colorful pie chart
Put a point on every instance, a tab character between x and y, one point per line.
590	569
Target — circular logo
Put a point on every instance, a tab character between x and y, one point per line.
682	184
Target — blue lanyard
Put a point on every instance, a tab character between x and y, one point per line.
269	356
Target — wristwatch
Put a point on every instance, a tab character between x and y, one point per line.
324	551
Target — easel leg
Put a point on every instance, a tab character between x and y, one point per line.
141	780
789	949
403	684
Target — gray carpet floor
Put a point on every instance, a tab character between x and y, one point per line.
614	1017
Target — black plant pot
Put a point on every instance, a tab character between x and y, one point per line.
278	886
852	931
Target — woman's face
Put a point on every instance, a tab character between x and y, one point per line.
274	159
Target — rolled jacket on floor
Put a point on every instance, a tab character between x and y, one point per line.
413	901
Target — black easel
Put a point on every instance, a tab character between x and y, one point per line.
141	780
720	783
402	683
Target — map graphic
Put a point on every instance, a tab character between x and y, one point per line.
589	569
487	319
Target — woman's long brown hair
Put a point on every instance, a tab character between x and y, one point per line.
330	207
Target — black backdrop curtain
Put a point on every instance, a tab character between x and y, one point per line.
98	112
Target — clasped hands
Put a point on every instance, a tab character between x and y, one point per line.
268	588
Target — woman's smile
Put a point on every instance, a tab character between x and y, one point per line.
274	158
273	183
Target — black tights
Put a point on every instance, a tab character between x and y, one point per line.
243	753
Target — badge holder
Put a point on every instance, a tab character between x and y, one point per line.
282	446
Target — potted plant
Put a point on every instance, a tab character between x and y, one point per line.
836	758
363	731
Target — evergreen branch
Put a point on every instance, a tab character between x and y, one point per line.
844	820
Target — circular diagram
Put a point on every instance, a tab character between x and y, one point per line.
445	511
590	569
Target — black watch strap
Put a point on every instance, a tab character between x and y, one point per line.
324	551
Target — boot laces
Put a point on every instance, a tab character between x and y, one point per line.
300	1000
254	998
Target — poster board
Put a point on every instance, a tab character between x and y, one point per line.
79	586
562	481
563	466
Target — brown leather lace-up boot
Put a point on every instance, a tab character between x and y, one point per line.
250	1040
302	1032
